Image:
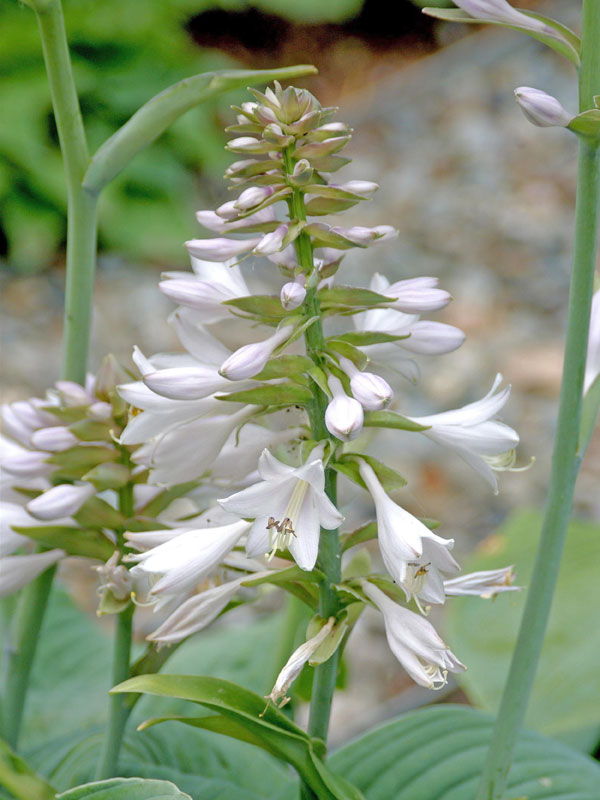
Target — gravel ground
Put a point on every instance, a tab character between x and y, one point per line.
482	199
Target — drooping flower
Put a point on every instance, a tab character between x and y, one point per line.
416	558
414	641
294	665
485	584
289	506
502	11
483	442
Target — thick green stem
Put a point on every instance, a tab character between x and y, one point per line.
81	249
330	553
566	459
119	709
29	618
81	228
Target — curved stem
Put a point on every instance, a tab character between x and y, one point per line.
566	459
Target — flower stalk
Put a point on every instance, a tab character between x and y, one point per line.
566	458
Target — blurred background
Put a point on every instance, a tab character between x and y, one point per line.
482	199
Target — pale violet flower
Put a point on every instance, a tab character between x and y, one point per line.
372	392
54	438
485	584
60	501
414	641
221	249
473	433
18	571
192	382
250	359
416	295
184	560
292	294
542	109
289	507
501	11
344	416
415	557
592	363
271	242
294	665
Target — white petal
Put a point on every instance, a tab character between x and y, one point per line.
17	571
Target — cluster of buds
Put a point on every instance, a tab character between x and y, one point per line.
219	416
63	470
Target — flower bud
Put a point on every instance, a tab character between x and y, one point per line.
60	501
293	294
271	242
372	392
248	144
302	174
28	464
250	359
220	249
329	131
54	439
542	109
321	149
344	415
501	11
253	196
361	188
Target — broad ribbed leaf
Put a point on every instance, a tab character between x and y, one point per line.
20	780
566	693
437	754
125	789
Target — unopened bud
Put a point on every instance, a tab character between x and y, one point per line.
60	501
250	359
542	109
372	392
344	416
271	242
292	294
253	196
54	439
220	249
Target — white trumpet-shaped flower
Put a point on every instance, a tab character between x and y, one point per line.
415	557
414	641
487	583
289	507
295	663
483	442
186	559
344	416
592	363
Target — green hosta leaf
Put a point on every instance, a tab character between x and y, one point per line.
389	419
365	338
483	633
20	780
249	719
388	477
282	394
567	44
91	430
73	463
261	306
108	476
589	415
349	351
286	366
97	513
436	754
351	296
587	123
88	543
125	789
